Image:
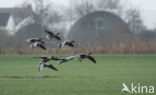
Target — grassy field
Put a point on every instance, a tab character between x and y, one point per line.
19	75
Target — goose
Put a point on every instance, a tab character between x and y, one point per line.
62	60
52	35
38	44
67	43
44	61
83	56
33	40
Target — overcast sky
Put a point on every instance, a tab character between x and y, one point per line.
147	7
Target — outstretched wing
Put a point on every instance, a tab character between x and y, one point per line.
57	37
55	58
41	57
70	57
40	40
31	40
70	44
92	59
50	33
42	46
50	66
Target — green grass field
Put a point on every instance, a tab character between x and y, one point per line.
19	75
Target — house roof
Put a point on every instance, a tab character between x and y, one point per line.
7	10
5	14
4	17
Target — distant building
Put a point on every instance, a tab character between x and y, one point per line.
9	21
100	27
6	21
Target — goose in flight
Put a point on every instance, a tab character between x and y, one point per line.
67	43
33	40
52	35
44	61
84	56
38	44
62	60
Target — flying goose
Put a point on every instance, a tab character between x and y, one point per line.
33	40
38	44
44	61
62	60
83	56
67	43
52	35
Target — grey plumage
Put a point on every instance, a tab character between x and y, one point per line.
84	56
38	44
52	35
34	40
62	60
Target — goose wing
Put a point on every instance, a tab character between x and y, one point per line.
31	40
50	33
92	59
55	58
70	57
40	40
57	37
41	57
41	46
78	55
50	66
70	44
61	60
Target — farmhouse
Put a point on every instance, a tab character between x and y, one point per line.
9	20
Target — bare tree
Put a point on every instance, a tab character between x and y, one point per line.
108	4
82	7
134	20
40	10
131	16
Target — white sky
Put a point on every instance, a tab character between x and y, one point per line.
147	7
